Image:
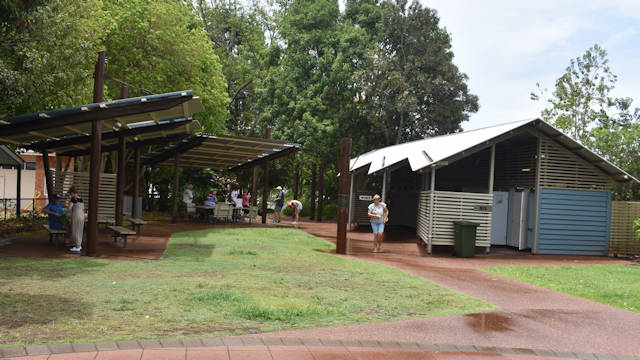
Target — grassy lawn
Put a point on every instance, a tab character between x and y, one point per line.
616	285
210	283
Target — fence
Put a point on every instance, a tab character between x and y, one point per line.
623	240
8	206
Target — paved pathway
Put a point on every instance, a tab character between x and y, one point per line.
529	316
233	348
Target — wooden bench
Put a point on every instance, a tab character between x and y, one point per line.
53	233
121	231
136	223
106	221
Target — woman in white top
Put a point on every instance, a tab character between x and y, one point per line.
297	207
379	215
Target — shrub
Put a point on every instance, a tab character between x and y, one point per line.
636	227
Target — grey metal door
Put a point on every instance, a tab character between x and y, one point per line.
499	216
518	219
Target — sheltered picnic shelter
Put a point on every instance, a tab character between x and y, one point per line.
89	130
527	185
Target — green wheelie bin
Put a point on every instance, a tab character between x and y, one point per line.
465	242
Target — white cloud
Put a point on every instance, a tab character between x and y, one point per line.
507	46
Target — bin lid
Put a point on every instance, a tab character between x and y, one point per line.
466	223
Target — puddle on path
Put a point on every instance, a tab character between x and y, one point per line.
488	322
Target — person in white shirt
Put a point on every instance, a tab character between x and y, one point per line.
297	207
378	215
187	199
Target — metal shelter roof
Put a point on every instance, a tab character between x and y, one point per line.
437	151
9	158
50	129
218	152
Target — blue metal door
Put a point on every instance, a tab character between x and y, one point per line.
499	218
573	222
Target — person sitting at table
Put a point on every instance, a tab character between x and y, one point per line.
210	203
246	199
54	209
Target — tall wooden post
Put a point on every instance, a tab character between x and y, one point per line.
47	173
136	182
320	192
94	166
122	176
254	187
312	196
265	183
122	151
343	196
18	195
176	183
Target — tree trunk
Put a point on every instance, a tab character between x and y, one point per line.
312	195
296	182
320	192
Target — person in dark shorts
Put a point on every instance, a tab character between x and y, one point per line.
279	204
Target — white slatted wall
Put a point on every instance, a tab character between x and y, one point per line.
63	180
561	169
451	206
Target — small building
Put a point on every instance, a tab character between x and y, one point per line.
527	184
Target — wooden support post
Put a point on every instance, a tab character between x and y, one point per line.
343	196
136	182
18	195
176	183
351	181
95	162
320	192
536	207
312	196
254	187
265	183
121	176
385	174
47	173
432	195
492	168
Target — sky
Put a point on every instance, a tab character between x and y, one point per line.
507	46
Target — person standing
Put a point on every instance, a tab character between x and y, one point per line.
279	202
187	199
76	208
297	207
378	215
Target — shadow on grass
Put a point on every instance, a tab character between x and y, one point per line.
190	246
46	269
20	309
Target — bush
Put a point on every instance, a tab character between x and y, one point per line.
636	227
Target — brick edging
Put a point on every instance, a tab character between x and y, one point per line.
276	341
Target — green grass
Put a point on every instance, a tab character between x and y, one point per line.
210	283
616	285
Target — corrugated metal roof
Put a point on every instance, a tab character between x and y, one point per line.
9	158
182	111
437	150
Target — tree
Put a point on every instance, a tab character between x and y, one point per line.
238	38
161	46
410	86
581	94
581	106
49	63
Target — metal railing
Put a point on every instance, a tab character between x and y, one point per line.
8	206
